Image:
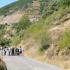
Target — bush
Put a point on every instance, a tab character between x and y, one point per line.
2	30
64	40
39	33
22	25
15	40
4	42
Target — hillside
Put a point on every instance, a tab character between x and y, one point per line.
16	10
15	6
47	37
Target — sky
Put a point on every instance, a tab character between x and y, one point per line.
5	2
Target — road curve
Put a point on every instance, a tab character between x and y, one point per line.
23	63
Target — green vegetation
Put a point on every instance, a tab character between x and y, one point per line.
38	32
15	40
24	23
64	40
2	30
4	42
20	4
53	13
20	28
44	4
55	5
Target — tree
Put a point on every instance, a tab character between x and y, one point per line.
4	42
24	23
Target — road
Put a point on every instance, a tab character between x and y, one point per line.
23	63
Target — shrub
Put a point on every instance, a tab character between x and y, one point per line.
24	23
64	40
4	42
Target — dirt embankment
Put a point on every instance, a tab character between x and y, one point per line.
54	33
12	18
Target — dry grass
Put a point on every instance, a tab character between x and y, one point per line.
65	64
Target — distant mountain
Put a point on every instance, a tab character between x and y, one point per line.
20	4
33	8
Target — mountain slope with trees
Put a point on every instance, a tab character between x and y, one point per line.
47	38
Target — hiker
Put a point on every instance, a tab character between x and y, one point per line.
20	51
4	52
7	51
17	51
12	51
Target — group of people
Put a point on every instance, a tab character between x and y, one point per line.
11	51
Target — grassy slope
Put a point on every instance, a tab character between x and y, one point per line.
55	15
58	11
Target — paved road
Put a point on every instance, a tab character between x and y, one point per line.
23	63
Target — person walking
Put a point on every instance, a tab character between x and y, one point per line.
4	52
15	51
20	51
9	51
12	51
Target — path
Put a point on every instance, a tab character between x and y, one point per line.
23	63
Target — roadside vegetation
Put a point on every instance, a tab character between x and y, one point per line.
64	41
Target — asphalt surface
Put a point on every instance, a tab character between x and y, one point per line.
23	63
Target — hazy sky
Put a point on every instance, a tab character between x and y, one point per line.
5	2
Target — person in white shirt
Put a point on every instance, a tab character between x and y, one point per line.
20	51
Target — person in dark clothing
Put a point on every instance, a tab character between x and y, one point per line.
9	53
4	52
13	51
17	51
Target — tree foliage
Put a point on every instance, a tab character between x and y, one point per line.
4	42
23	24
